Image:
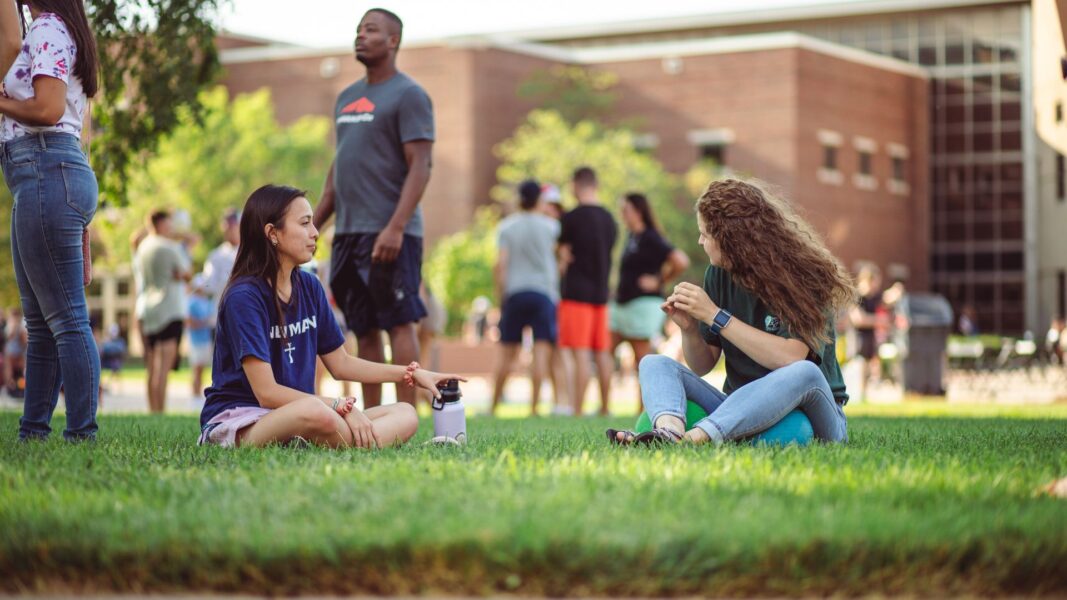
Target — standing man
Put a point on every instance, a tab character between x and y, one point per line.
527	281
586	237
385	135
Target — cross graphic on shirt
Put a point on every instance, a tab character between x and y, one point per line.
289	349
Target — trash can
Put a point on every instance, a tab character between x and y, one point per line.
929	319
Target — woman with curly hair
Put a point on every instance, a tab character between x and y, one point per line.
767	304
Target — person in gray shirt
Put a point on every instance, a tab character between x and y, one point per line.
527	279
385	134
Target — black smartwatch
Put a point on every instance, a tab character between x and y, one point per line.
722	319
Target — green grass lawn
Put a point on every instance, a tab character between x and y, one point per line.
926	499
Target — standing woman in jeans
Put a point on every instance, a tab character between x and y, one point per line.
767	304
55	193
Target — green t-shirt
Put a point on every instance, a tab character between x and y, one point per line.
743	305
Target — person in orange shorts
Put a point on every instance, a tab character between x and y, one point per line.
587	235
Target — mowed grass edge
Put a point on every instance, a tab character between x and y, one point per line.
915	505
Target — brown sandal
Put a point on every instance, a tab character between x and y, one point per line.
659	435
628	438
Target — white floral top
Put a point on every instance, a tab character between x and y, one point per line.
48	51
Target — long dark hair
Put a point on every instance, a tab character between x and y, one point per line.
72	12
256	256
641	205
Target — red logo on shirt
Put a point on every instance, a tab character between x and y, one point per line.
363	105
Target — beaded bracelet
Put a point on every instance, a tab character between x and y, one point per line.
409	373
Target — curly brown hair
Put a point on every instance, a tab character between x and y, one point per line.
773	253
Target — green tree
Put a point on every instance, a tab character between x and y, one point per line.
548	148
215	159
460	267
155	58
576	93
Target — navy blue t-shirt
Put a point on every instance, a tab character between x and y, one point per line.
248	326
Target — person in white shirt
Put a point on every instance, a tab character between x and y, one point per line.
220	261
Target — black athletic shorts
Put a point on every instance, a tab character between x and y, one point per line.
376	295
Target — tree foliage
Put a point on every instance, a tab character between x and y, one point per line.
460	268
155	57
576	93
214	160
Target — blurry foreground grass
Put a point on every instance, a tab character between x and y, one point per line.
927	498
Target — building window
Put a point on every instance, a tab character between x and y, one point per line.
646	143
1061	291
711	145
898	169
864	178
865	163
830	169
714	153
1061	173
829	158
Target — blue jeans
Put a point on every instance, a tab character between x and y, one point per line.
666	385
55	195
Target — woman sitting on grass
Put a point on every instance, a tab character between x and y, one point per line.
273	321
768	302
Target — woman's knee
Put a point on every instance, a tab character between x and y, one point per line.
653	362
804	370
408	419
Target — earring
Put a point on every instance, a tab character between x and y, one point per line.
275	242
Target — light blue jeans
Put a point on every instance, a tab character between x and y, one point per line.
55	194
666	385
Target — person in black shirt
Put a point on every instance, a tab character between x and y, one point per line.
587	235
648	262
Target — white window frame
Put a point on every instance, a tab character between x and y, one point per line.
835	140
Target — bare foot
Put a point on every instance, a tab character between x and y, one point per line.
696	435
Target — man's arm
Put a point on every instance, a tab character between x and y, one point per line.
417	154
500	273
324	210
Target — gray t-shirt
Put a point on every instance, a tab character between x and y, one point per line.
530	240
373	123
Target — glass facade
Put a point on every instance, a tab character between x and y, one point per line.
973	56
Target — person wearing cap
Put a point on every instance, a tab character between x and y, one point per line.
527	280
552	201
200	323
552	205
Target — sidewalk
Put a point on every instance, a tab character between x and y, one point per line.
128	397
1015	387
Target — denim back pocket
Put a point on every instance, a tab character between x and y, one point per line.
80	188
